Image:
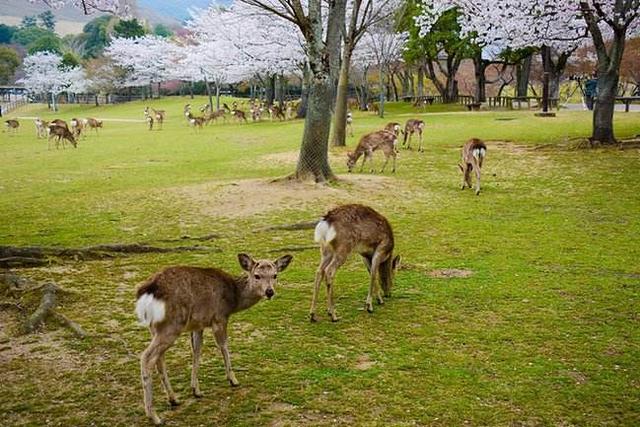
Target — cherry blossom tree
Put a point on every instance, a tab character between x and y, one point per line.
610	22
45	74
322	41
116	7
147	60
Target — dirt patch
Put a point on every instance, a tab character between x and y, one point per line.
449	273
250	197
363	363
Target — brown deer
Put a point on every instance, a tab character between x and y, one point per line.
473	153
277	112
60	133
12	125
393	127
350	228
179	299
413	126
214	116
158	115
196	122
77	126
380	140
59	122
92	123
239	115
42	128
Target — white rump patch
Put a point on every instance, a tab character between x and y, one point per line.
149	309
479	153
324	232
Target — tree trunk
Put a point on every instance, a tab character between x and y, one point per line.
481	80
304	93
381	85
270	89
420	81
281	89
324	60
340	117
604	107
217	97
206	85
191	89
523	71
96	99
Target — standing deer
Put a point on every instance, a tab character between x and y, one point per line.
77	127
42	128
149	120
277	112
60	133
239	115
178	299
158	115
473	153
393	127
350	228
92	123
12	125
413	126
380	140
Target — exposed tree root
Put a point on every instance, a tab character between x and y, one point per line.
294	248
36	256
304	225
50	292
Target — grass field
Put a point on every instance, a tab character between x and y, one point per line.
540	329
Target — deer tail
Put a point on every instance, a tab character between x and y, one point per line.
324	232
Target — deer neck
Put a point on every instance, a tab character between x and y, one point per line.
245	295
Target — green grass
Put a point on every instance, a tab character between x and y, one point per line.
544	332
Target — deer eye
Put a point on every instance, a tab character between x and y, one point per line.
275	276
256	276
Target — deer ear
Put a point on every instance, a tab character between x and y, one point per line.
246	262
395	264
283	262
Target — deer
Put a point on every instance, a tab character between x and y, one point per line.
358	228
197	122
149	120
239	115
413	126
215	115
92	123
61	133
158	115
380	140
12	125
393	127
77	126
186	111
473	153
59	122
277	112
374	107
349	125
42	128
178	299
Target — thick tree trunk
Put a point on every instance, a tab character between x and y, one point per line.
604	107
420	81
217	97
208	87
304	94
340	117
191	89
481	80
381	85
523	71
270	89
281	89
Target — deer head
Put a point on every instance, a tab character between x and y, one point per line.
263	273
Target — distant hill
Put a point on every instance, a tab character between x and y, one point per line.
71	19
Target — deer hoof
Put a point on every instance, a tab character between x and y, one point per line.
370	308
477	192
156	420
333	317
196	393
313	318
174	402
380	301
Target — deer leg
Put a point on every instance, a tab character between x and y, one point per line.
386	160
162	370
477	168
420	148
196	348
220	333
375	266
394	163
148	359
330	273
327	256
464	175
364	159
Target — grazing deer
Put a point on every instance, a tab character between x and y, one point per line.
380	140
473	153
60	133
158	115
178	299
42	128
77	126
239	115
92	123
349	126
59	122
393	127
412	126
12	125
350	228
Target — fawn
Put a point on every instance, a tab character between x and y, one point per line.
380	140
